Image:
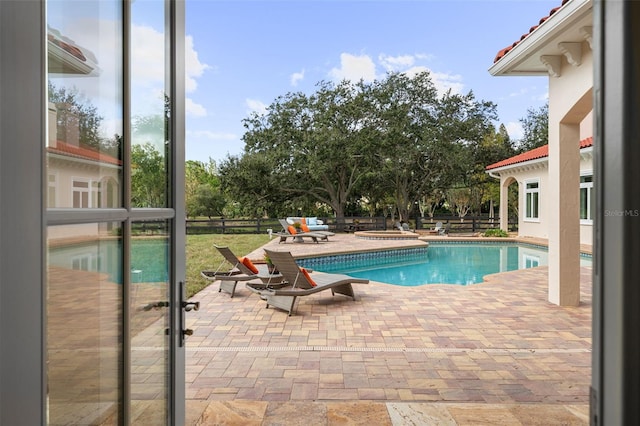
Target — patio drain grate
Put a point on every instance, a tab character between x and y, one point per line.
506	351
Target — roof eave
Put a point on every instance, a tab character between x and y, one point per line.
535	43
584	152
528	163
76	158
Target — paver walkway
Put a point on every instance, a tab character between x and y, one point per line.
491	353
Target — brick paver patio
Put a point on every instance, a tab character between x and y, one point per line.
491	353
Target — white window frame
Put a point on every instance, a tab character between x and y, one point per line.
80	191
530	261
95	199
588	186
52	190
527	192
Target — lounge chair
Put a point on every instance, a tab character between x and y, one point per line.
403	226
302	283
445	230
243	270
436	229
288	231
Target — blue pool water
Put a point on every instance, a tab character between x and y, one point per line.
461	264
149	259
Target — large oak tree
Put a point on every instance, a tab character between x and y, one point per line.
391	140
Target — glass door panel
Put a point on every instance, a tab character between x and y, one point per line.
85	103
112	319
150	106
149	318
84	324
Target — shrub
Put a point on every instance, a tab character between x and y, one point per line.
496	232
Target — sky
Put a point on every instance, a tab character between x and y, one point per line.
242	55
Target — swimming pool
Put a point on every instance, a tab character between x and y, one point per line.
440	263
149	258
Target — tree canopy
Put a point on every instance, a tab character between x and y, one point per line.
536	128
390	142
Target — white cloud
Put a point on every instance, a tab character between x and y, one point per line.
395	63
147	55
296	77
194	109
255	105
413	71
444	82
193	67
515	130
148	58
354	68
149	68
206	134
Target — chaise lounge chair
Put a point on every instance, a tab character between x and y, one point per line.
302	283
243	270
288	231
306	228
436	229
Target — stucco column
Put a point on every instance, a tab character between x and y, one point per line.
564	218
504	203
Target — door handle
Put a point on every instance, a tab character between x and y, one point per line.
185	306
189	306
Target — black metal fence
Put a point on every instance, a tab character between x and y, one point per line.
345	224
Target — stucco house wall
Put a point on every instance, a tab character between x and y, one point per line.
538	170
533	227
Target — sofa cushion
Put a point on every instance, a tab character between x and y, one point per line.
313	223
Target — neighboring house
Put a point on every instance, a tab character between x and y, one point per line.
529	171
559	47
79	177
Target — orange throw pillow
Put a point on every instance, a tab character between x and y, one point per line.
249	264
304	227
292	230
306	274
303	221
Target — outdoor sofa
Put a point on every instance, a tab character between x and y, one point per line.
313	223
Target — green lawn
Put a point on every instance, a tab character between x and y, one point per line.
202	255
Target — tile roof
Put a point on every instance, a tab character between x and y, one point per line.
507	49
534	154
67	57
63	148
